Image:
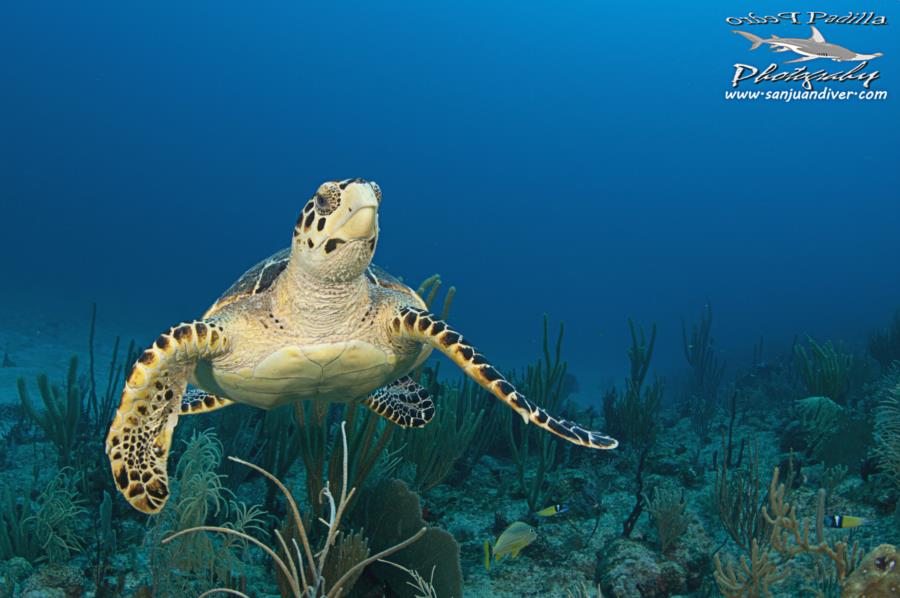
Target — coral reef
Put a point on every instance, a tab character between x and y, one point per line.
629	568
330	508
304	570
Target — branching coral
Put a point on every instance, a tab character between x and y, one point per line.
791	537
884	345
819	418
199	498
638	508
543	384
349	549
367	436
101	408
490	437
428	291
54	522
422	587
825	370
706	372
706	369
434	449
752	578
62	410
304	430
281	439
240	428
666	509
16	537
303	568
633	417
45	530
74	417
738	498
105	546
887	433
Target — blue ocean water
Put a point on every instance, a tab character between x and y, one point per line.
575	159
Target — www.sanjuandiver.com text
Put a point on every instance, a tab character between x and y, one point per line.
801	95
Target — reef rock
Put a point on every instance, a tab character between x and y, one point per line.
630	569
54	581
878	576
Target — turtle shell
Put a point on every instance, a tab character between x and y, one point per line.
263	275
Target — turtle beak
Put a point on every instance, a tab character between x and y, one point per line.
362	212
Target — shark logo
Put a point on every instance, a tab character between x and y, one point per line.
809	49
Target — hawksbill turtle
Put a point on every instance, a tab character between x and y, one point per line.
315	321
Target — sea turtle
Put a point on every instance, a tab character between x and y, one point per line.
314	321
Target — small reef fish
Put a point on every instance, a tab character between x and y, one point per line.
841	522
552	510
513	539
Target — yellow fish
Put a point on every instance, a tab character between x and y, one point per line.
839	521
552	510
513	539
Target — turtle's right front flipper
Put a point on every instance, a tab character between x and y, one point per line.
141	432
423	326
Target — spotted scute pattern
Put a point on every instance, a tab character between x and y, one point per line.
421	325
141	432
195	400
254	281
404	402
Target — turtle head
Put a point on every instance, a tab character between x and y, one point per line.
336	233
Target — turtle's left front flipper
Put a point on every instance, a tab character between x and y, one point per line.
141	432
423	326
403	402
195	401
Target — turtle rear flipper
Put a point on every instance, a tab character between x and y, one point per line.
404	402
141	432
423	326
195	400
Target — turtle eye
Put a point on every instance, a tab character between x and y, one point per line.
328	198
